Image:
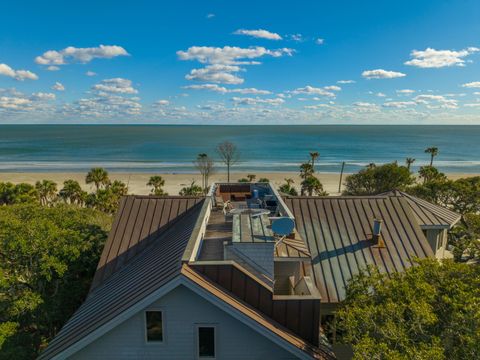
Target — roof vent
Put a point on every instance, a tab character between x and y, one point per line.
377	233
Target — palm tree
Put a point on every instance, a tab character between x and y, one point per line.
433	151
97	176
314	155
251	177
306	170
72	192
156	182
287	187
192	190
47	190
312	185
409	161
118	188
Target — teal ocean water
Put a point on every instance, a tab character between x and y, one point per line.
139	148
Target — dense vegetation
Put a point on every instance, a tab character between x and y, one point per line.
430	312
48	257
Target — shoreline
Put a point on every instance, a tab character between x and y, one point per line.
175	181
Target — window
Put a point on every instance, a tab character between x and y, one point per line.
154	326
206	342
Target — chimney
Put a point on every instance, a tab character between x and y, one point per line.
377	233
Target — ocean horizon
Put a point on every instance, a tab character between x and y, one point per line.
263	148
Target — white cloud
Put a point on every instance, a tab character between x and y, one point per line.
19	75
333	88
216	73
83	55
162	102
58	86
320	41
405	91
260	33
53	68
473	84
399	104
91	73
14	103
366	106
116	86
210	16
43	96
381	74
310	90
224	90
473	105
436	101
346	82
431	58
296	37
255	101
229	55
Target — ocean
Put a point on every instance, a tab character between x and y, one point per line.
171	148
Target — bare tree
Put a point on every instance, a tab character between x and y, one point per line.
204	164
229	154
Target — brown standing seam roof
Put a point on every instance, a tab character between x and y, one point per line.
140	277
139	221
338	232
146	262
201	280
427	214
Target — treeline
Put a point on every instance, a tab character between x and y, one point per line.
48	258
105	198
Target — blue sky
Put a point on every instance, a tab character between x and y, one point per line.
248	62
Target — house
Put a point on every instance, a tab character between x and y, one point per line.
241	273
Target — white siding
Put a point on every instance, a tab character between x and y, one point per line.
183	309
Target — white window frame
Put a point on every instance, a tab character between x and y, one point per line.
145	331
197	342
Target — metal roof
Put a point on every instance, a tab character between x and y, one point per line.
143	274
338	232
427	214
321	352
139	221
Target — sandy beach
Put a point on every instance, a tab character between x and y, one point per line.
174	182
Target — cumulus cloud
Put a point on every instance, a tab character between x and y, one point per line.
162	102
224	90
53	68
91	73
310	90
43	96
346	82
431	58
319	41
405	91
381	74
58	86
230	55
399	104
82	55
436	101
224	63
116	86
296	37
13	101
333	88
257	100
19	75
216	73
210	16
260	33
365	106
473	84
472	105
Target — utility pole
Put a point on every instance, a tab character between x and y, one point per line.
341	175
